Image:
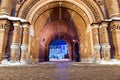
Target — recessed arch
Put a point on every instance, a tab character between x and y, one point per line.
79	14
51	32
86	5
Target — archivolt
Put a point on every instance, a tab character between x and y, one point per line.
86	5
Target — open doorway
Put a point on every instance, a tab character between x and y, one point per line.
58	50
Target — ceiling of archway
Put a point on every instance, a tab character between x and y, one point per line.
60	13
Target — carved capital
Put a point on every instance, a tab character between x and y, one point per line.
17	23
4	24
104	24
115	25
95	25
26	24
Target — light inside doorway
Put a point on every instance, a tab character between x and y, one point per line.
58	50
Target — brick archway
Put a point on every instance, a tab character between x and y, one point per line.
79	16
58	29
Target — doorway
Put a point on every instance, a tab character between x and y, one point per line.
58	50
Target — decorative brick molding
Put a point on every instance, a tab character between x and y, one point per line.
115	27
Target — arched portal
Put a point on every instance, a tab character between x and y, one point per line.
58	29
69	20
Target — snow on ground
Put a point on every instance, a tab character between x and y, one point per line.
8	63
110	62
53	59
103	62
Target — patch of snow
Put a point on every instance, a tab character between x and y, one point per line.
110	62
53	59
8	63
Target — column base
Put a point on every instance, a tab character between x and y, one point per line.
97	53
15	53
106	52
24	53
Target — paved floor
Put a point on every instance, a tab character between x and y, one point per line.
60	71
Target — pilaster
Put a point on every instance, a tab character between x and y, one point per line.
96	45
4	30
113	8
6	7
115	30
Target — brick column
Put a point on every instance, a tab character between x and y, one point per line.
4	30
113	8
104	41
16	41
115	30
6	7
25	42
96	44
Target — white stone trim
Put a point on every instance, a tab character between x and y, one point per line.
24	46
14	46
97	47
106	46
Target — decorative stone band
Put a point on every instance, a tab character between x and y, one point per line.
115	27
15	47
97	47
24	47
105	46
4	26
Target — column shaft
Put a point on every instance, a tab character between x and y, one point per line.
113	8
96	44
16	41
6	7
25	42
104	41
115	30
4	30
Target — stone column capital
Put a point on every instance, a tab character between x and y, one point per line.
115	25
16	23
104	24
26	24
95	25
4	24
